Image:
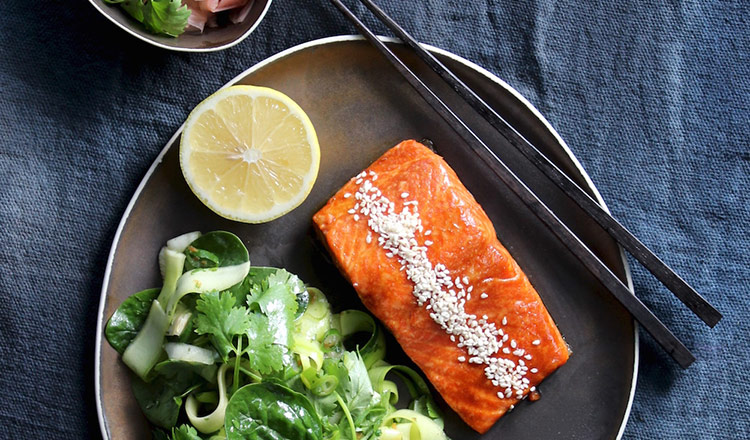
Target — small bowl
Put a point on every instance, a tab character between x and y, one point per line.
212	39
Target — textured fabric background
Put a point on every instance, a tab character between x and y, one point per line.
651	96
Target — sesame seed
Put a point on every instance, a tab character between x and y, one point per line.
505	320
356	217
443	294
536	342
483	296
347	195
534	370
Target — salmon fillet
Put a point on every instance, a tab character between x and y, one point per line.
424	258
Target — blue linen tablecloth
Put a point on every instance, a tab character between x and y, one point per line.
651	96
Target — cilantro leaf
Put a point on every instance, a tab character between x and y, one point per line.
185	432
218	318
277	279
356	387
265	356
240	290
276	298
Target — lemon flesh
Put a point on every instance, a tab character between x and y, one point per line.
249	153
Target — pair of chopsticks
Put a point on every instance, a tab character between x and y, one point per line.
694	301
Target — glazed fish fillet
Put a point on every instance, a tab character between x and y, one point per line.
424	258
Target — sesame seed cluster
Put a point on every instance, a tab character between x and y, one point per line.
438	290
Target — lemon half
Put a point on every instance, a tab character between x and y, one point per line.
249	153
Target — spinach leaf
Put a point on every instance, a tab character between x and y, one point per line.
161	398
200	258
271	411
215	249
158	434
128	319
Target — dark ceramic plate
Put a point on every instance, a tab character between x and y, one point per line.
211	39
360	107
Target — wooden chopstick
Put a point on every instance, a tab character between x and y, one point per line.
640	312
681	289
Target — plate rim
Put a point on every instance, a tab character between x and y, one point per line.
319	42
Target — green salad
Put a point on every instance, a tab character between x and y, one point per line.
168	17
226	350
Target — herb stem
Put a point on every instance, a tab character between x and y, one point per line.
252	375
346	413
238	351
